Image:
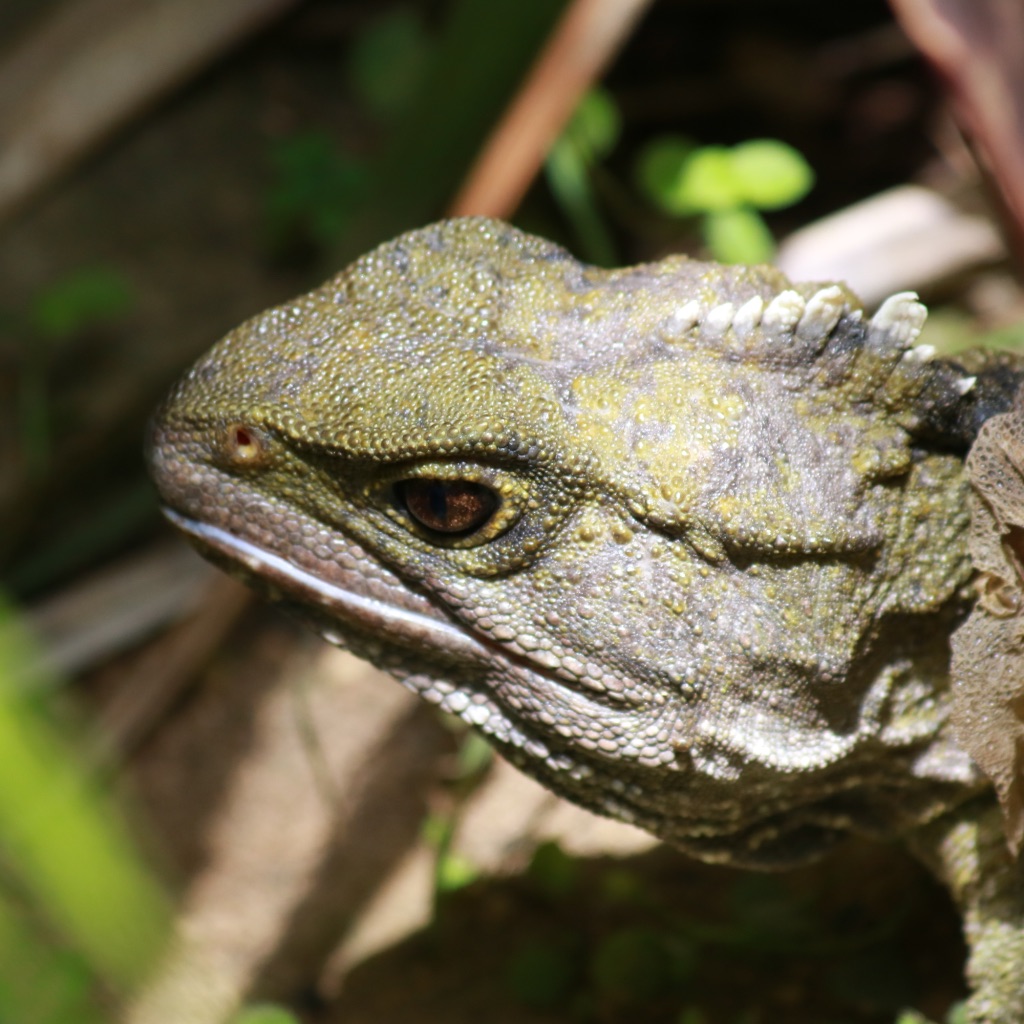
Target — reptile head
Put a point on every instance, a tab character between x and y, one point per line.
672	536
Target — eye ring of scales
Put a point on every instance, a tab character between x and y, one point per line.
686	542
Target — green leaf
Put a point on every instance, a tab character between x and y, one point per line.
436	830
454	872
39	981
83	300
706	182
475	756
317	188
595	125
568	177
957	1014
389	60
769	174
738	236
659	170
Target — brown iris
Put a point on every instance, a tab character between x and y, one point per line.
447	506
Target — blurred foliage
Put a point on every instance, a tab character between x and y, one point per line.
76	306
473	758
86	299
721	188
691	1015
264	1014
634	955
451	871
99	526
956	1015
82	920
638	964
388	62
760	904
553	871
436	93
315	190
627	969
725	187
876	979
80	915
544	973
588	138
950	330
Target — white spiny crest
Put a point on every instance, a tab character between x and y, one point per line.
965	384
685	317
748	317
897	323
821	314
783	313
919	354
718	319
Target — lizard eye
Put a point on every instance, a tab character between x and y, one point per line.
447	506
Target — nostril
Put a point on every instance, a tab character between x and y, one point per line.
245	445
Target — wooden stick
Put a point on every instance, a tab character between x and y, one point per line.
582	45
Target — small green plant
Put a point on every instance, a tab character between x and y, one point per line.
725	187
315	193
590	135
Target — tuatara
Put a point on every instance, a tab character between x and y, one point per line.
686	542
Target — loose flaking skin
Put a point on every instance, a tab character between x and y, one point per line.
686	542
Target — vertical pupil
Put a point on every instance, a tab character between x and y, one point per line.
437	498
447	506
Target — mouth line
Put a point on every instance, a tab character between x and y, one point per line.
408	627
391	622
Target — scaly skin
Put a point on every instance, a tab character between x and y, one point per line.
710	528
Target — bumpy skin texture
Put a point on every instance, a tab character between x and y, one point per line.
723	544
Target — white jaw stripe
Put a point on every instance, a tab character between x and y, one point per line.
410	628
